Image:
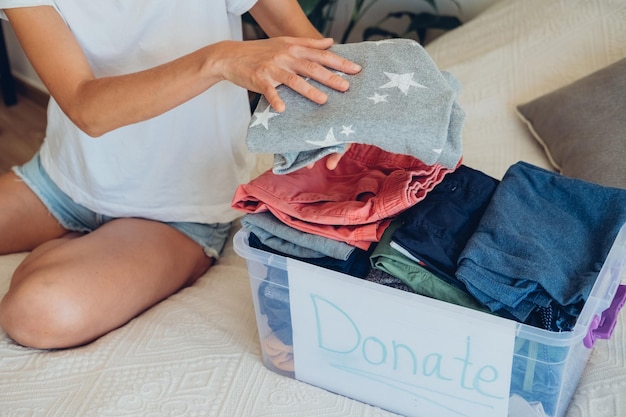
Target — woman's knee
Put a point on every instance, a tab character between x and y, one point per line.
38	313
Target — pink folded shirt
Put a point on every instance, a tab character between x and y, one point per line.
353	203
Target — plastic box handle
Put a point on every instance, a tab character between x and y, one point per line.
602	326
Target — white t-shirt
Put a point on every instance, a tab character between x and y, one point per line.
181	166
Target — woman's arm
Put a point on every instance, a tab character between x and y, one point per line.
99	105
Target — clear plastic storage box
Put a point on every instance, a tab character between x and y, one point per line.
416	356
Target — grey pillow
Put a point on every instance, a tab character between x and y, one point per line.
582	126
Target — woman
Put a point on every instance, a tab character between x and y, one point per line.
128	200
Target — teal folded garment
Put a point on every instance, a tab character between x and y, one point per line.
400	102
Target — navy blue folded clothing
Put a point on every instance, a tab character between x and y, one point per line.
436	230
542	239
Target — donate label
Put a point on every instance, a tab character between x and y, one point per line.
399	351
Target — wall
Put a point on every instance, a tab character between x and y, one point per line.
380	8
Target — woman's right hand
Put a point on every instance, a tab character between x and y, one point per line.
263	65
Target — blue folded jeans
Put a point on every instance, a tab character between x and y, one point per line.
542	239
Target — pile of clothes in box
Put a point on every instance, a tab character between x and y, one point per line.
401	209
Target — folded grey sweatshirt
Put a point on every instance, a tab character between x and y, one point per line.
400	102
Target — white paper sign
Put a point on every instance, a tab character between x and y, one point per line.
406	353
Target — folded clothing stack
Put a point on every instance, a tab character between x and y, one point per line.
400	102
529	248
353	203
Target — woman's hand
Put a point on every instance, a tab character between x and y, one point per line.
263	65
333	159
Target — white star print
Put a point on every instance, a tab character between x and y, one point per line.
262	118
402	81
377	98
329	141
347	130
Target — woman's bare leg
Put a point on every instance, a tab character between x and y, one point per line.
71	290
25	222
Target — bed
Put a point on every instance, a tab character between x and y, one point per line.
197	353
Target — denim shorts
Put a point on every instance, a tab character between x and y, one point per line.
76	218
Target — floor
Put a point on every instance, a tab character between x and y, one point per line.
22	128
